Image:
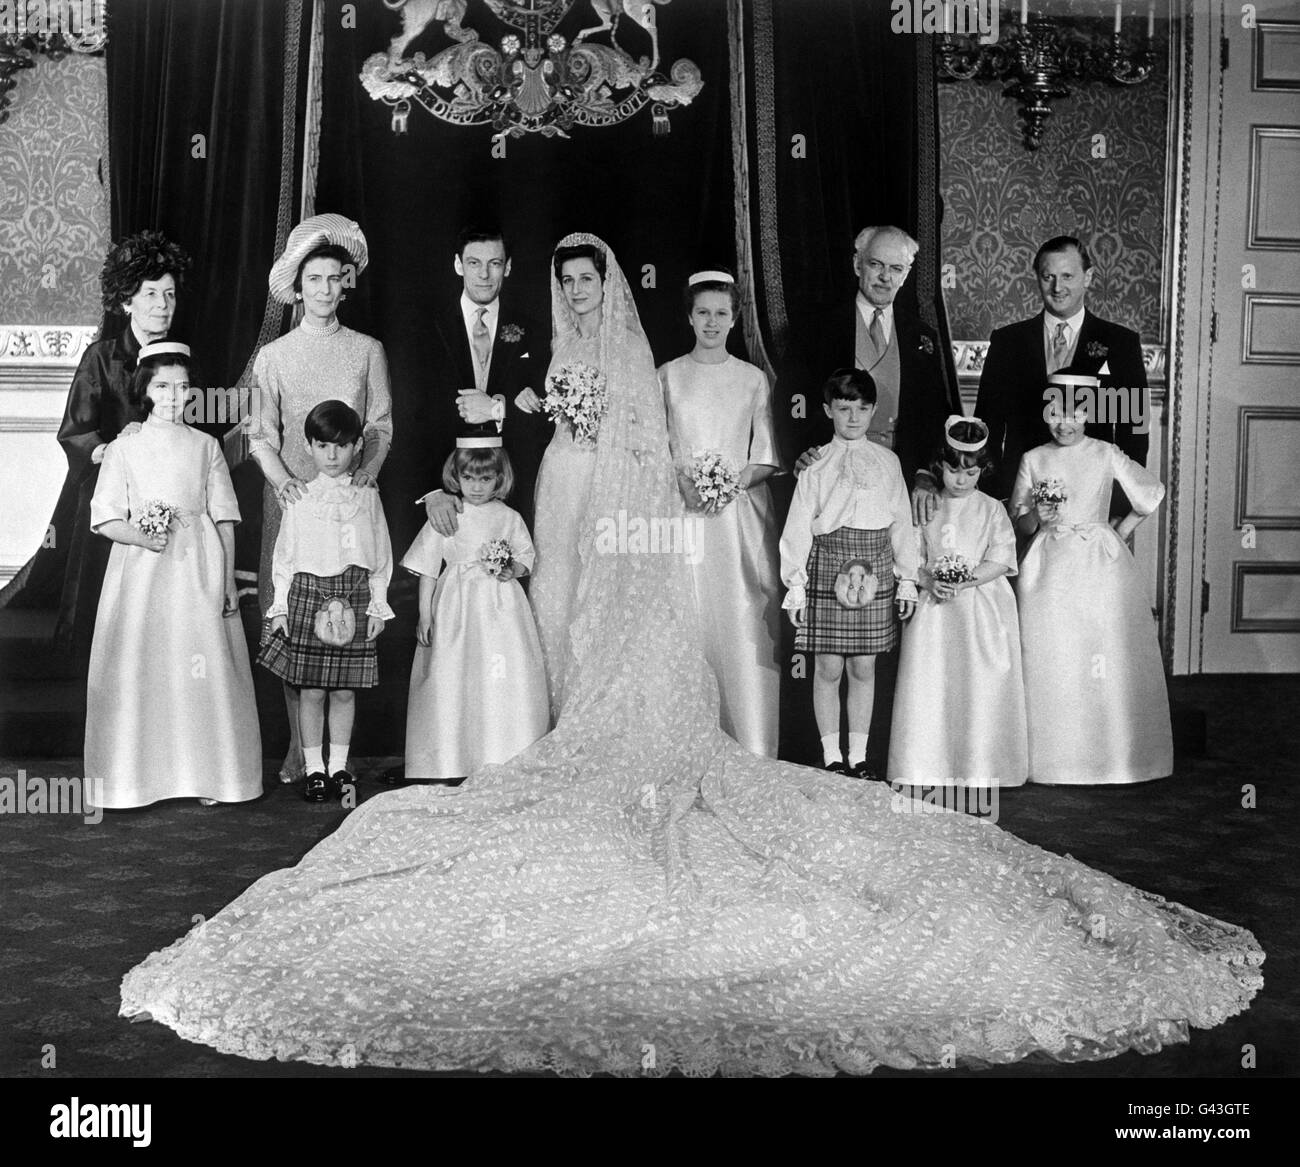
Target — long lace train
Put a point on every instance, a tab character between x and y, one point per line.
636	893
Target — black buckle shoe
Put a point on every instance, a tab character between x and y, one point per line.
837	767
338	780
317	787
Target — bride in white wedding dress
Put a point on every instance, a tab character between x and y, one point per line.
637	893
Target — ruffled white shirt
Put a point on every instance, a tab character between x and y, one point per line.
855	484
334	526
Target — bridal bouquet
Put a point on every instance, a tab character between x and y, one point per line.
578	393
497	557
156	517
953	569
1050	491
716	477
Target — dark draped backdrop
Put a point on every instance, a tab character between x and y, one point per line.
196	123
838	121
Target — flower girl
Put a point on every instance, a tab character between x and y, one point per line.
330	572
170	711
1098	709
478	686
959	707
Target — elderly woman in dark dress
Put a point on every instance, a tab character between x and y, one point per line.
141	277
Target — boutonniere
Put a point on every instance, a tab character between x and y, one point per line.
1096	349
511	334
926	345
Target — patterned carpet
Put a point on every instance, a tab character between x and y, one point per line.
84	902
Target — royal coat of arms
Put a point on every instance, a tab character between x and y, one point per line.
535	78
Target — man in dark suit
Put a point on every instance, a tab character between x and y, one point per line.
486	355
895	346
485	359
1065	335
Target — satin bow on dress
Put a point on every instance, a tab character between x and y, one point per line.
1086	627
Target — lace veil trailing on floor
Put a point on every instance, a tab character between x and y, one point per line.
637	893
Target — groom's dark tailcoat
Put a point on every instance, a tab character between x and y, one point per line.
826	340
520	355
1012	384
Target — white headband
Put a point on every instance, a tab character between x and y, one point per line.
478	443
159	347
965	447
710	277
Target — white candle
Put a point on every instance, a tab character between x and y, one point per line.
1118	11
1024	11
1151	20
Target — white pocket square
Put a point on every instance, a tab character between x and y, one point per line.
1104	371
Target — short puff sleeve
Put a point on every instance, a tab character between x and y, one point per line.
222	506
1142	488
112	496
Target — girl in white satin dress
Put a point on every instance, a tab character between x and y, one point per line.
959	706
1095	693
716	402
478	686
169	701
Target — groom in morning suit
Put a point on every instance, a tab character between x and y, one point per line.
1064	335
485	358
486	354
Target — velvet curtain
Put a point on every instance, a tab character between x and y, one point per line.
844	113
196	120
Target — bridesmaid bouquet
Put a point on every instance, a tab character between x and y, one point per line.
953	569
156	517
577	393
716	477
497	557
1051	491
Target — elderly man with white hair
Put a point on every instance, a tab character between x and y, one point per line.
901	353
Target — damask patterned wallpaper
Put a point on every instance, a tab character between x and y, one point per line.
53	208
1001	201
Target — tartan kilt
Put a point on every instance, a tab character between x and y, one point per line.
303	659
831	627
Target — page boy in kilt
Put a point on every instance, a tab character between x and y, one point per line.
850	513
330	573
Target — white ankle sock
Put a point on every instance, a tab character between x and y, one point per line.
338	756
857	748
314	756
831	749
